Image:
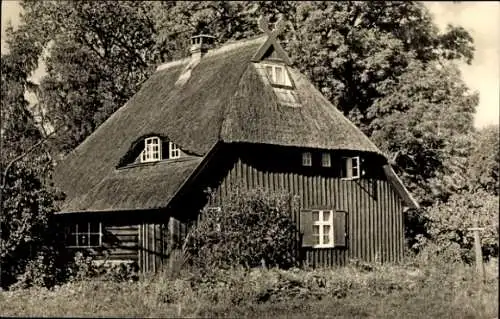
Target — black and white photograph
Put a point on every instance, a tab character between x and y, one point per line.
249	159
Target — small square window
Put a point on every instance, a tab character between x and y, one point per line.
173	151
326	160
277	74
306	159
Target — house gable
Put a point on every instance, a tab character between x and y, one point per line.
271	49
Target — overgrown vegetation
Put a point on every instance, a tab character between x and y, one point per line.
363	291
252	228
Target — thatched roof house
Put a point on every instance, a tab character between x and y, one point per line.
196	107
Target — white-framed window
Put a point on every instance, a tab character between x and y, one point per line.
85	235
173	151
152	150
322	222
277	74
326	160
323	228
351	168
306	159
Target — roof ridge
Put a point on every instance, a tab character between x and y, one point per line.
228	46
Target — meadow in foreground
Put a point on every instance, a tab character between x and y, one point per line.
367	291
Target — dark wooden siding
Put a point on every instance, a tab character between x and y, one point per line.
119	242
375	220
147	242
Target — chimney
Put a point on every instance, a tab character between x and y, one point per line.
200	44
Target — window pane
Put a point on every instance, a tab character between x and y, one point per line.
149	141
325	160
73	240
326	215
326	229
316	239
94	240
83	240
279	75
316	230
355	171
326	239
83	227
355	162
306	159
269	71
315	216
94	227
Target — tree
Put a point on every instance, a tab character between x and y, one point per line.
425	117
362	54
483	163
98	55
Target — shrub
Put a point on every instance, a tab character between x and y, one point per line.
26	208
253	227
84	267
448	223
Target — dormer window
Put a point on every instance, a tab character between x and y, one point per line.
277	74
173	151
152	150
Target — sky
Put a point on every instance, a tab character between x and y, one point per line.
481	19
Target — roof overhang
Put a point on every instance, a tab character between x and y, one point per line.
399	187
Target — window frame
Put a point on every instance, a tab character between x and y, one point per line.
324	156
347	174
322	223
147	154
75	235
174	151
307	160
286	83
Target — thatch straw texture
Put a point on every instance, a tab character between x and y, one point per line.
225	99
146	186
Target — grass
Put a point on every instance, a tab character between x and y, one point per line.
385	291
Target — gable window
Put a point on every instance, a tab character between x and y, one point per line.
306	159
152	150
85	235
173	151
277	74
323	228
351	168
326	160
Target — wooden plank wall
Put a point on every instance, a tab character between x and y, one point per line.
153	242
120	242
375	221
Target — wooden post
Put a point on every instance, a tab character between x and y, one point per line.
478	251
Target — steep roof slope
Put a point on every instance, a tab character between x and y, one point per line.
224	99
191	115
256	116
147	186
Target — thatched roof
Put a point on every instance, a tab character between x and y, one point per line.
225	99
147	186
